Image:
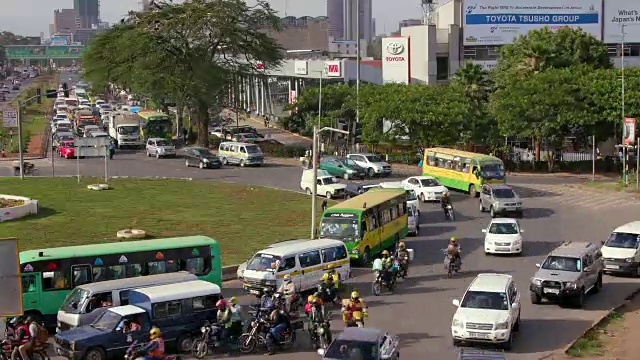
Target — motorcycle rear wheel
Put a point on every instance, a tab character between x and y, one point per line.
247	343
200	349
288	341
376	288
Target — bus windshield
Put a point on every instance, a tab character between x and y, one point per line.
340	229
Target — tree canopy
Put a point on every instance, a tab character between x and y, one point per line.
186	54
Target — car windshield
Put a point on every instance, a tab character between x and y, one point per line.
128	130
163	143
340	229
68	144
252	149
623	241
562	263
84	123
429	182
411	195
75	301
202	152
504	193
263	262
352	349
107	321
485	300
503	229
349	162
373	158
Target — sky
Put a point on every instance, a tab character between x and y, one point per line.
31	17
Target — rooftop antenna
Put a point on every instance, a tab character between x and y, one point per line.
428	9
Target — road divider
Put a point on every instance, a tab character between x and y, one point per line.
229	272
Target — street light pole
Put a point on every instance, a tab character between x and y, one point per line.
20	150
320	100
314	187
357	63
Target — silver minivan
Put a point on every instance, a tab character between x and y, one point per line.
239	153
86	302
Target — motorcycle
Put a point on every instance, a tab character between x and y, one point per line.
208	341
325	294
321	334
403	264
281	303
257	335
134	352
353	319
449	214
379	282
39	353
450	265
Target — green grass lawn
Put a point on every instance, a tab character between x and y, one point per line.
242	218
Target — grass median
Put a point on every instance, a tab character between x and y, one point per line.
242	218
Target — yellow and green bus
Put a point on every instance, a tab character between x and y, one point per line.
462	170
368	223
156	125
48	275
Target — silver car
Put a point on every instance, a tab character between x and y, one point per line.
362	343
571	271
500	199
160	148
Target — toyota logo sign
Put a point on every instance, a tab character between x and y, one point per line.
395	48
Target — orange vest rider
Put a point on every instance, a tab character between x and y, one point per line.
155	347
26	335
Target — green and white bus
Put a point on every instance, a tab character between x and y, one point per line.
368	223
48	275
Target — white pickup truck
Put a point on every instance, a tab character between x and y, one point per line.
124	129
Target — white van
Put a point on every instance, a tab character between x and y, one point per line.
306	263
239	153
621	252
83	304
328	185
413	221
412	197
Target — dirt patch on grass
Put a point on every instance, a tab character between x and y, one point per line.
615	339
35	144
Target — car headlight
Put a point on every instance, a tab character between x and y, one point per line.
517	242
72	346
161	150
629	260
349	171
320	330
502	326
536	281
456	323
496	204
203	329
570	285
205	160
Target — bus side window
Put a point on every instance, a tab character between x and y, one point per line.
81	274
99	274
28	283
394	213
54	280
115	272
363	227
133	270
431	159
197	266
372	223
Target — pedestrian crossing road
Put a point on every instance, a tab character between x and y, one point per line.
578	197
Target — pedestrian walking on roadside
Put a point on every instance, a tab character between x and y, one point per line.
112	150
324	205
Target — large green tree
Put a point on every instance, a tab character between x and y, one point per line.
189	52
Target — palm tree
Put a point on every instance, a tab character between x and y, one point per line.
476	82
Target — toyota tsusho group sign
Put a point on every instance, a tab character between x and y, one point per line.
396	60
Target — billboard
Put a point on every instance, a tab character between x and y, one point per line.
396	60
499	22
618	13
10	281
629	131
301	67
44	52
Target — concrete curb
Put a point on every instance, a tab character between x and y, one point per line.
229	272
596	323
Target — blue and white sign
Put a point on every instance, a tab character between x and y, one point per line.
499	22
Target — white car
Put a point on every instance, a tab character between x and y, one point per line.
426	187
488	313
413	221
503	236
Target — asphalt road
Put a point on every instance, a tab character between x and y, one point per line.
420	312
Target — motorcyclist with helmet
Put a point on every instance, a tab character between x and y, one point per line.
403	257
25	338
279	323
387	263
236	316
288	290
317	315
155	347
267	301
445	201
453	251
331	280
223	320
354	304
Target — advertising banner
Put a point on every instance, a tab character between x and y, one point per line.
499	22
629	131
395	60
301	67
618	13
332	69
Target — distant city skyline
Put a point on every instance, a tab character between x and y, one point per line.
31	17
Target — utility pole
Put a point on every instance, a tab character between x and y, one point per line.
357	63
20	146
624	147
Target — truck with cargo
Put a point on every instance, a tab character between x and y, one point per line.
124	129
